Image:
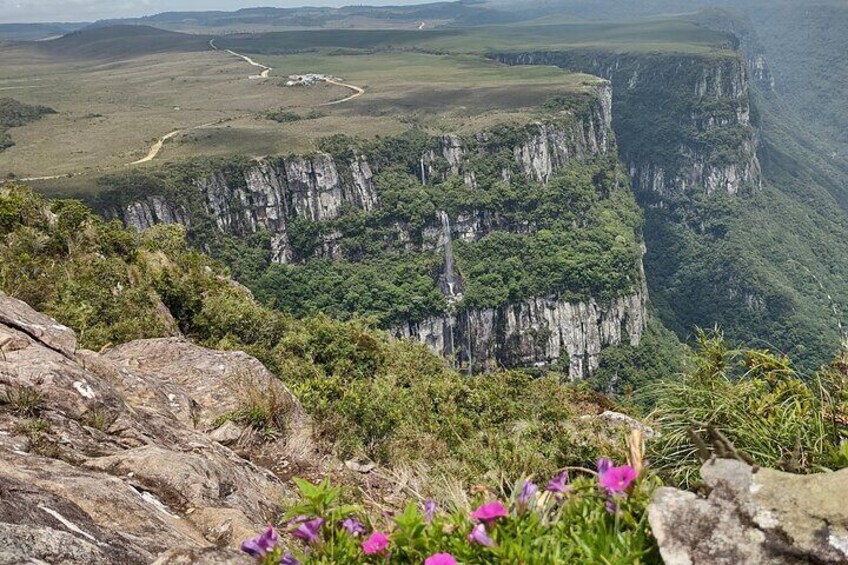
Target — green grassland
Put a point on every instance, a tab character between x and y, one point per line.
656	35
114	102
109	114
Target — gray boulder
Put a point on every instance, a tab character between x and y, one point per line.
753	515
111	458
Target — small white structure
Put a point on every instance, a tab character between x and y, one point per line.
310	79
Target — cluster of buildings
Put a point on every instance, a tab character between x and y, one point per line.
310	79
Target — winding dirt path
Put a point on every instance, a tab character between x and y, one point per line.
266	70
157	147
357	92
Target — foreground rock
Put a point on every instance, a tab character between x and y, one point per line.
113	458
754	516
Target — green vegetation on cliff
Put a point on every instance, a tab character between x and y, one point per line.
369	394
576	236
400	405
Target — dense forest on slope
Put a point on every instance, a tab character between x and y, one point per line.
767	264
576	235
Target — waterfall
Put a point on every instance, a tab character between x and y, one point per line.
448	283
450	276
423	173
470	350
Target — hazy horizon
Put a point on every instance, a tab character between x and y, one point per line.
38	11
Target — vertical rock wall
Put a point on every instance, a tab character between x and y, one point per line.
683	122
272	193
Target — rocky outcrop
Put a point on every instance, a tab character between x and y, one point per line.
147	213
753	515
694	110
271	193
538	331
546	149
114	458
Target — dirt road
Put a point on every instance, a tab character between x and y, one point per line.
157	147
357	92
266	70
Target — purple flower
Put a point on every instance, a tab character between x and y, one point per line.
611	506
259	546
429	510
478	535
440	559
617	479
528	491
288	559
375	544
559	484
297	520
308	531
604	465
353	526
489	512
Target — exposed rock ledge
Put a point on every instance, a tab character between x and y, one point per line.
113	459
754	515
536	331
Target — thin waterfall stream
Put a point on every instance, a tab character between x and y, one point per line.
450	275
449	282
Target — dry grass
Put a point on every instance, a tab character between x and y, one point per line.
109	114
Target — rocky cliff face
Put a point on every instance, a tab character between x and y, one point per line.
116	457
540	332
273	194
683	122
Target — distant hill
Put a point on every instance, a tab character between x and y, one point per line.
36	32
350	17
121	42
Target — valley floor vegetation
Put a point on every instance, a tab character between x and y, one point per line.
402	407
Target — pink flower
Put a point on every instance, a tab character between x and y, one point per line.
478	535
617	479
376	543
489	512
440	559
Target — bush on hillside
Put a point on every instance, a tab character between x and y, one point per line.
757	401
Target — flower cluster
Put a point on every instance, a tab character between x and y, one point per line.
485	529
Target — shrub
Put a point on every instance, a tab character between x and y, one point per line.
32	427
283	116
758	402
266	409
23	401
